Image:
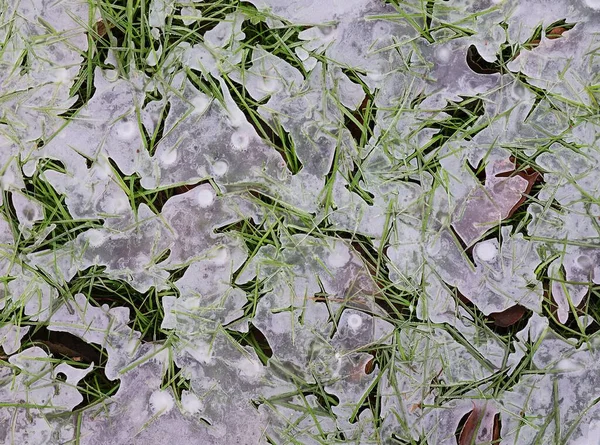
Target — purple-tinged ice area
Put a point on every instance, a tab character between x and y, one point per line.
300	222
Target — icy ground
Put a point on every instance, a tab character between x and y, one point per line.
341	221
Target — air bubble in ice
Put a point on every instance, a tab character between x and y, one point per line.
567	365
269	83
161	402
301	53
101	169
443	54
205	197
240	139
191	403
126	131
584	261
219	168
339	256
486	250
518	91
250	367
326	30
354	321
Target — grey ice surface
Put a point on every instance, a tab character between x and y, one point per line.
441	231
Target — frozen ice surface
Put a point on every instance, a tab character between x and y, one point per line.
330	212
484	207
10	337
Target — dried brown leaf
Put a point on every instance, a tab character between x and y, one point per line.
101	28
509	316
467	435
482	425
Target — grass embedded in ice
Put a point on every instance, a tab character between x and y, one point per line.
298	222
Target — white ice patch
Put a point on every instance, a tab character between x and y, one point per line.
219	168
116	205
205	197
443	54
339	255
161	402
486	250
568	365
126	131
62	75
240	139
190	403
190	15
354	322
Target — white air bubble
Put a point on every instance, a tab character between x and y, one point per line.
111	75
443	54
219	168
584	262
126	131
169	157
354	321
131	346
486	250
240	140
518	91
340	255
310	63
192	303
161	402
191	403
201	352
205	197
